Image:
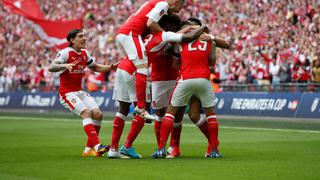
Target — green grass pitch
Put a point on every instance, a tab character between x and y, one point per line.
40	146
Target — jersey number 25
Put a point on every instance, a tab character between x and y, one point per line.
202	46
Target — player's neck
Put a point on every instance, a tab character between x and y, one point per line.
77	49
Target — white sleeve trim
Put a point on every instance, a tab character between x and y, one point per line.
171	37
158	11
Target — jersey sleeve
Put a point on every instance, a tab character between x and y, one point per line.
61	57
172	37
91	62
158	11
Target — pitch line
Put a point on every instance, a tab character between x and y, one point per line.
186	125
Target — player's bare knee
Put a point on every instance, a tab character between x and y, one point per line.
97	115
85	114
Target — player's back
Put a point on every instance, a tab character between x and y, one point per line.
137	22
72	80
195	59
161	64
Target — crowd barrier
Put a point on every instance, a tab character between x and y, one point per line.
303	105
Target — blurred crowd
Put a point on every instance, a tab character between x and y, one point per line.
275	41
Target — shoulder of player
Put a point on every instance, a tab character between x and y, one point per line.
64	52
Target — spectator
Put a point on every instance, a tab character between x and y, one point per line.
290	29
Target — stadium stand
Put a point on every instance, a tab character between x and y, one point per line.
276	43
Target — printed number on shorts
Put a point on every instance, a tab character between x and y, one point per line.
201	47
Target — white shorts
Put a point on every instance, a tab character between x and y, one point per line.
199	87
133	47
125	87
161	92
78	101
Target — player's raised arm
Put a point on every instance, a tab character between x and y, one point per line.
103	67
155	15
59	63
191	36
54	67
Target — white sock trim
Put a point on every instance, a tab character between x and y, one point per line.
96	147
158	118
96	122
123	117
169	115
201	120
212	116
86	121
87	149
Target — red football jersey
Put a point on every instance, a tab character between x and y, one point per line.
137	22
71	81
195	59
161	65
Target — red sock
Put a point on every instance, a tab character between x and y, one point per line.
141	86
166	128
175	136
118	124
157	128
213	129
97	127
136	127
90	131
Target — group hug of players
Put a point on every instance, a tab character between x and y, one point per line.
179	55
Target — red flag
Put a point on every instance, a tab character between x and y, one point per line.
27	8
53	32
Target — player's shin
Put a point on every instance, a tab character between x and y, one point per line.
90	131
166	128
136	127
157	128
118	125
213	129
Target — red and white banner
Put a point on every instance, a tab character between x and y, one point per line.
26	8
53	32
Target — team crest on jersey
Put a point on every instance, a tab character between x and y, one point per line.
73	101
161	12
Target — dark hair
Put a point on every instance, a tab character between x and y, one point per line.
184	23
194	20
72	34
168	20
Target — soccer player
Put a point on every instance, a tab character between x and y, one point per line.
163	75
71	62
196	57
124	92
194	103
129	40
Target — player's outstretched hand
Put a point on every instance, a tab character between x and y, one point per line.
69	66
114	66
